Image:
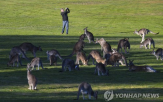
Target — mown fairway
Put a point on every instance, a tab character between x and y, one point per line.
39	22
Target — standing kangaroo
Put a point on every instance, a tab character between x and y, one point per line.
142	32
35	62
146	68
100	68
30	47
15	58
32	81
81	56
17	50
69	64
105	46
158	53
53	52
89	35
123	43
78	47
147	42
85	88
97	56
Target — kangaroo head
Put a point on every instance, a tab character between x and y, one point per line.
28	66
135	31
131	62
85	28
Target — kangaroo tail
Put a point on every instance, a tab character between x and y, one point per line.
154	33
150	69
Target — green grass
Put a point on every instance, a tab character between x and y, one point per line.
40	22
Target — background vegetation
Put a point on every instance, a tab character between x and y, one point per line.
39	22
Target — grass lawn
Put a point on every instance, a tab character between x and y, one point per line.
40	22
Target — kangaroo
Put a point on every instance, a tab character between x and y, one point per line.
30	47
15	58
53	52
97	56
81	56
89	35
158	53
82	37
113	59
85	88
35	62
17	50
105	46
78	47
32	81
53	60
100	68
122	59
142	32
69	64
123	43
147	42
146	68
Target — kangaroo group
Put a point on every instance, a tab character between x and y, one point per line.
110	58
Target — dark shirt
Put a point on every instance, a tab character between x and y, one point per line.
64	14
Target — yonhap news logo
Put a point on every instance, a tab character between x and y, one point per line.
109	95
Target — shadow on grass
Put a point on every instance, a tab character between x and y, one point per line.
34	96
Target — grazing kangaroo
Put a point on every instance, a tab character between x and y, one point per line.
146	68
89	35
78	47
123	43
100	68
142	32
30	47
147	42
158	53
82	37
53	52
15	58
53	60
105	47
17	50
69	64
32	81
81	56
35	62
85	88
97	56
